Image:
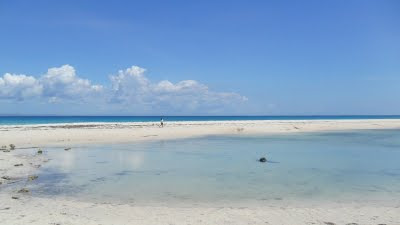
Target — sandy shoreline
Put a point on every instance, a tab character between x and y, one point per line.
35	210
86	133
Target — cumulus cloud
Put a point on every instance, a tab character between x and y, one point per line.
19	87
132	87
128	88
57	84
62	83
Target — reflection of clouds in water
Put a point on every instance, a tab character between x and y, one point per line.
132	160
67	162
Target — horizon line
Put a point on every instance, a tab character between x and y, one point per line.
275	115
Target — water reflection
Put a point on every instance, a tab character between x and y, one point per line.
329	166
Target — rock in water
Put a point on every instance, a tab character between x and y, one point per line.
262	159
39	151
12	146
67	149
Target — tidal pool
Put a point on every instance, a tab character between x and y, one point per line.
352	166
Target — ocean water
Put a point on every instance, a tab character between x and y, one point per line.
360	166
20	120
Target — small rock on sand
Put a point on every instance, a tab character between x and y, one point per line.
6	177
15	197
67	149
23	190
19	164
40	151
262	159
33	177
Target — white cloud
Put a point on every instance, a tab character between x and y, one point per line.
129	88
20	87
132	87
129	85
62	83
57	84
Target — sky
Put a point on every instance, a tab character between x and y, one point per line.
199	57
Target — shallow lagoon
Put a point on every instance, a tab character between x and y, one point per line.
335	166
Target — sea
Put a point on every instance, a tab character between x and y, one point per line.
21	120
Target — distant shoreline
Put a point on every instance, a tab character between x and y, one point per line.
96	133
36	120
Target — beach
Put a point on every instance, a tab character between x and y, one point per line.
84	133
27	209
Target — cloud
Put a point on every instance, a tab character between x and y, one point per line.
130	89
62	83
57	84
19	87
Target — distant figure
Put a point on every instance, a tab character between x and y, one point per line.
162	122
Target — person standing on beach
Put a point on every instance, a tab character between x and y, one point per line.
162	122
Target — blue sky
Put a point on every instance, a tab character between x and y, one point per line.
200	57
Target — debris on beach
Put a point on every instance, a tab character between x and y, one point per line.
262	159
12	146
33	177
4	148
6	177
23	190
19	164
67	149
240	129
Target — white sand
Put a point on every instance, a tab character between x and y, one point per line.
34	210
70	134
58	211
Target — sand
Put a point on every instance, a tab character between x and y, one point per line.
85	133
27	209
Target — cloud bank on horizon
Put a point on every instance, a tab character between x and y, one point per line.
129	88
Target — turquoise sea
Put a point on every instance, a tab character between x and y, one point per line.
20	120
353	166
